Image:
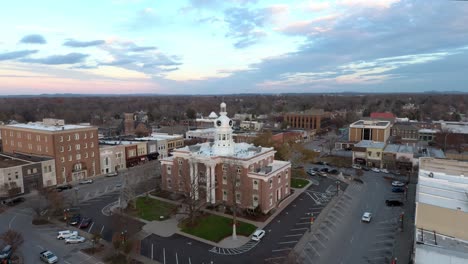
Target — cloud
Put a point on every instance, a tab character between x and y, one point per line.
143	19
315	6
245	25
16	54
379	4
70	58
144	59
82	44
33	39
311	27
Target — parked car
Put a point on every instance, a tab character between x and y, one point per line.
393	203
75	240
322	173
6	252
66	234
63	187
397	190
258	234
14	201
365	168
356	166
398	184
321	163
85	222
299	167
118	185
311	172
112	174
317	150
75	219
324	169
48	257
385	171
315	169
88	181
366	217
375	170
334	171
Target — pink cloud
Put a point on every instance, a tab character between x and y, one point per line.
313	26
317	6
21	85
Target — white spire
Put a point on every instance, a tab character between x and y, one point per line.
223	111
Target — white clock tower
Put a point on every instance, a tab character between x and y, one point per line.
223	143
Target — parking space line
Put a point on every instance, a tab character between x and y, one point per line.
294	235
281	249
320	242
289	242
331	230
316	251
102	229
306	223
307	218
380	249
91	227
297	229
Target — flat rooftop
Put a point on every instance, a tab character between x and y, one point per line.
159	136
241	150
371	123
43	127
399	148
11	160
370	144
8	162
446	250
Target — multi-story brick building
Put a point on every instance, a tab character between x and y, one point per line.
74	147
310	119
225	172
112	158
405	132
374	130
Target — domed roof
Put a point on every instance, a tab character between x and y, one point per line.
223	104
213	115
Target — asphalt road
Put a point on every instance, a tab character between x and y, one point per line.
355	241
282	235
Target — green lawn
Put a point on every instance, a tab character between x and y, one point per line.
298	183
152	209
215	228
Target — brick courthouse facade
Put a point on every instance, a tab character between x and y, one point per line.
224	172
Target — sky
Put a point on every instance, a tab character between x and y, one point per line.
232	46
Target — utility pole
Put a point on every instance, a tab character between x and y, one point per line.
312	219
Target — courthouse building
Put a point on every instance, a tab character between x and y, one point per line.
224	172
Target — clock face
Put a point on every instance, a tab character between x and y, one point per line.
230	122
218	123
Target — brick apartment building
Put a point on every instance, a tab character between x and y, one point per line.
225	172
74	147
310	119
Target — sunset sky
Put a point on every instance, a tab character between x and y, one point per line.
232	46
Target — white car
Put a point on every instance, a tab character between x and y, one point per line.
86	181
375	170
48	257
385	171
357	166
75	240
257	235
66	234
366	217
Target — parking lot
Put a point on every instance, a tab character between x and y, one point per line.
343	229
40	238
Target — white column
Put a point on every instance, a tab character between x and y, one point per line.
195	184
213	183
192	191
208	184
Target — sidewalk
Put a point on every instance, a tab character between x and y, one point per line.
404	240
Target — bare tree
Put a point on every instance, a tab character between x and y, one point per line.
329	145
12	238
232	170
95	239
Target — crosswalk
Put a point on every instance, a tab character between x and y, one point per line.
234	251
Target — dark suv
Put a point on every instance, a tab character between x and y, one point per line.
393	203
14	201
63	187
